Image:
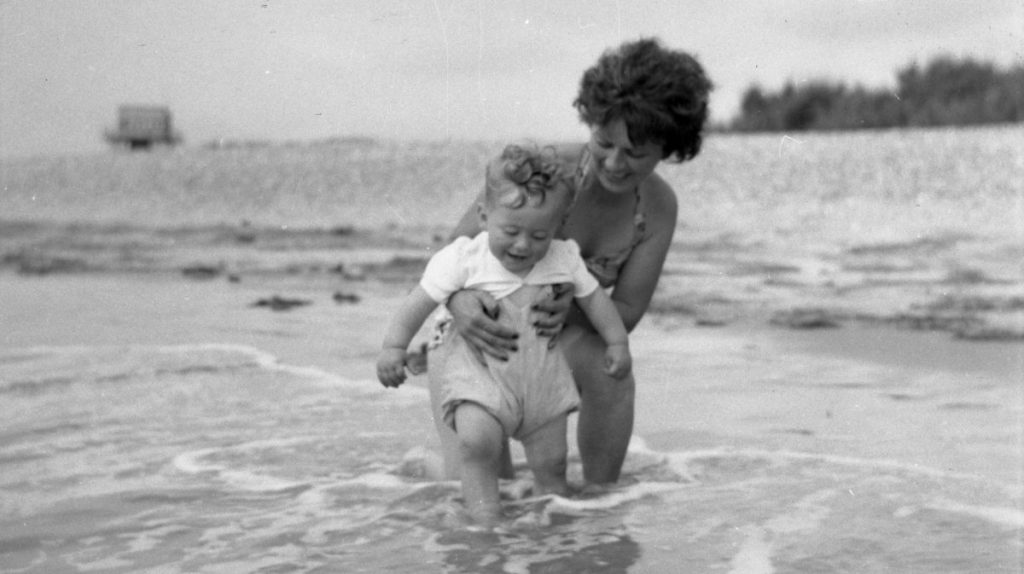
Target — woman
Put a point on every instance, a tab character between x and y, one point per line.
643	104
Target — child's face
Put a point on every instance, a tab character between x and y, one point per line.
520	237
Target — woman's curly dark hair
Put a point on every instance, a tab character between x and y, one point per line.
524	174
660	94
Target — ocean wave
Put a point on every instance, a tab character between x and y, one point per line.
40	369
732	461
203	462
727	509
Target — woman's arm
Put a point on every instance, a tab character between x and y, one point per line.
639	276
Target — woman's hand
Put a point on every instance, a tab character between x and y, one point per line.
551	311
474	317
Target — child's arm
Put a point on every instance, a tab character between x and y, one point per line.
606	320
403	327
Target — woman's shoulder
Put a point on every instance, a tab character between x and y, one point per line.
660	199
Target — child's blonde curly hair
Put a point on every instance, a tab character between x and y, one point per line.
526	175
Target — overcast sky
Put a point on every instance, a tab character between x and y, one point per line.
431	69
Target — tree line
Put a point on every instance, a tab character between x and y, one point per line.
945	92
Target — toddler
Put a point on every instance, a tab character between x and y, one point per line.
529	396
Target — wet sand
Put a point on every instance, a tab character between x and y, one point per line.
745	415
876	392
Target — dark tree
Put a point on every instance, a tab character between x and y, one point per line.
947	91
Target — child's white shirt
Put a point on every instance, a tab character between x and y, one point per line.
467	263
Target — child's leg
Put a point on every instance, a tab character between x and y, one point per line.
480	443
546	453
450	442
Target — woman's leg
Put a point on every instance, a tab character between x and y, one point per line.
480	440
546	453
606	410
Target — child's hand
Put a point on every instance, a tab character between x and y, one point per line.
391	367
416	361
617	361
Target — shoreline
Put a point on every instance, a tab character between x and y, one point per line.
877	339
709	281
976	310
742	385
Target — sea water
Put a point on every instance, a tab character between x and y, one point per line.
215	456
219	458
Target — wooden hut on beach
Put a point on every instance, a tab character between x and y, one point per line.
140	127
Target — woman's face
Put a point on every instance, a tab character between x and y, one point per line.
621	165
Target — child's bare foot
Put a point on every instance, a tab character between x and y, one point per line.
486	514
592	490
557	489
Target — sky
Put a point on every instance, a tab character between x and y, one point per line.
286	70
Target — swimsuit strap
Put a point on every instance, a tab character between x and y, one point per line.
639	220
584	170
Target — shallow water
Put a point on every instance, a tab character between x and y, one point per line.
154	421
219	458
